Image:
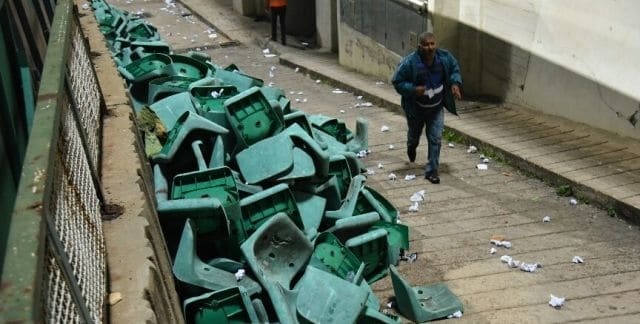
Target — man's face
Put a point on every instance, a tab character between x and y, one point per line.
428	47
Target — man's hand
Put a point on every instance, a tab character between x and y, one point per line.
455	89
420	90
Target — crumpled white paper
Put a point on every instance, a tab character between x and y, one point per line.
482	166
556	302
370	172
577	259
239	274
410	177
296	70
472	149
380	166
529	267
451	145
546	219
457	314
384	128
342	111
417	196
493	250
505	244
415	206
573	201
391	147
363	104
318	81
392	176
338	91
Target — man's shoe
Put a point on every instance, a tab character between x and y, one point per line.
432	177
412	155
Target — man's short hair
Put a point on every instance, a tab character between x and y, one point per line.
424	36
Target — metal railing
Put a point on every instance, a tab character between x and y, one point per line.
55	262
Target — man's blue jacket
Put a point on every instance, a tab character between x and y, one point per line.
405	78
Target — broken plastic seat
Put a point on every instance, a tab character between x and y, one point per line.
349	206
160	88
276	253
371	248
140	30
209	101
262	206
150	66
332	126
237	79
311	209
397	239
230	305
338	138
325	298
266	159
251	117
380	204
307	143
423	303
183	65
189	269
300	118
339	167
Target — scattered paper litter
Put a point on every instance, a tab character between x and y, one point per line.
85	6
239	274
409	177
384	128
270	85
114	298
318	81
338	91
265	51
451	145
505	244
392	176
269	55
556	302
417	196
411	258
493	250
577	259
216	94
271	74
296	70
546	219
370	172
362	153
414	207
482	166
485	160
457	314
363	104
342	111
573	201
472	149
300	92
529	267
379	83
272	68
291	92
380	166
359	97
391	146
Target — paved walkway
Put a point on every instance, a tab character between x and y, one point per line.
451	231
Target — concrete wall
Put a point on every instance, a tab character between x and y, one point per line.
575	59
327	24
365	55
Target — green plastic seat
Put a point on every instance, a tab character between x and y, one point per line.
142	31
397	239
303	140
300	118
267	159
210	107
251	117
241	81
372	249
182	65
339	167
262	206
328	299
150	66
332	126
189	269
160	88
387	211
353	204
363	221
423	303
231	305
277	252
311	210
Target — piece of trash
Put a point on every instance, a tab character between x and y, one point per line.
546	219
472	149
485	160
457	314
556	302
384	128
451	145
216	94
505	244
391	147
338	91
318	81
370	172
342	111
380	166
379	83
529	267
482	166
271	74
577	259
239	274
305	44
359	97
114	298
213	35
85	6
270	85
300	92
296	70
498	237
493	250
573	201
392	176
363	104
265	51
362	153
411	258
417	196
304	99
269	55
298	100
414	207
291	92
409	177
272	68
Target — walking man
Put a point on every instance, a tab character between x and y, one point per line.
427	80
278	9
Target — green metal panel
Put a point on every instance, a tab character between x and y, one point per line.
21	274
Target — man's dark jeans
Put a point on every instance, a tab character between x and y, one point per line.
279	13
433	120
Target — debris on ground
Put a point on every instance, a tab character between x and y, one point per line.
556	302
391	147
577	259
505	244
370	172
417	196
482	166
380	166
384	128
415	206
472	149
493	250
411	257
239	274
546	219
114	298
410	177
392	176
573	201
457	314
451	145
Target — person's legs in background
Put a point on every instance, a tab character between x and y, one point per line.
435	126
274	23
415	125
283	28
